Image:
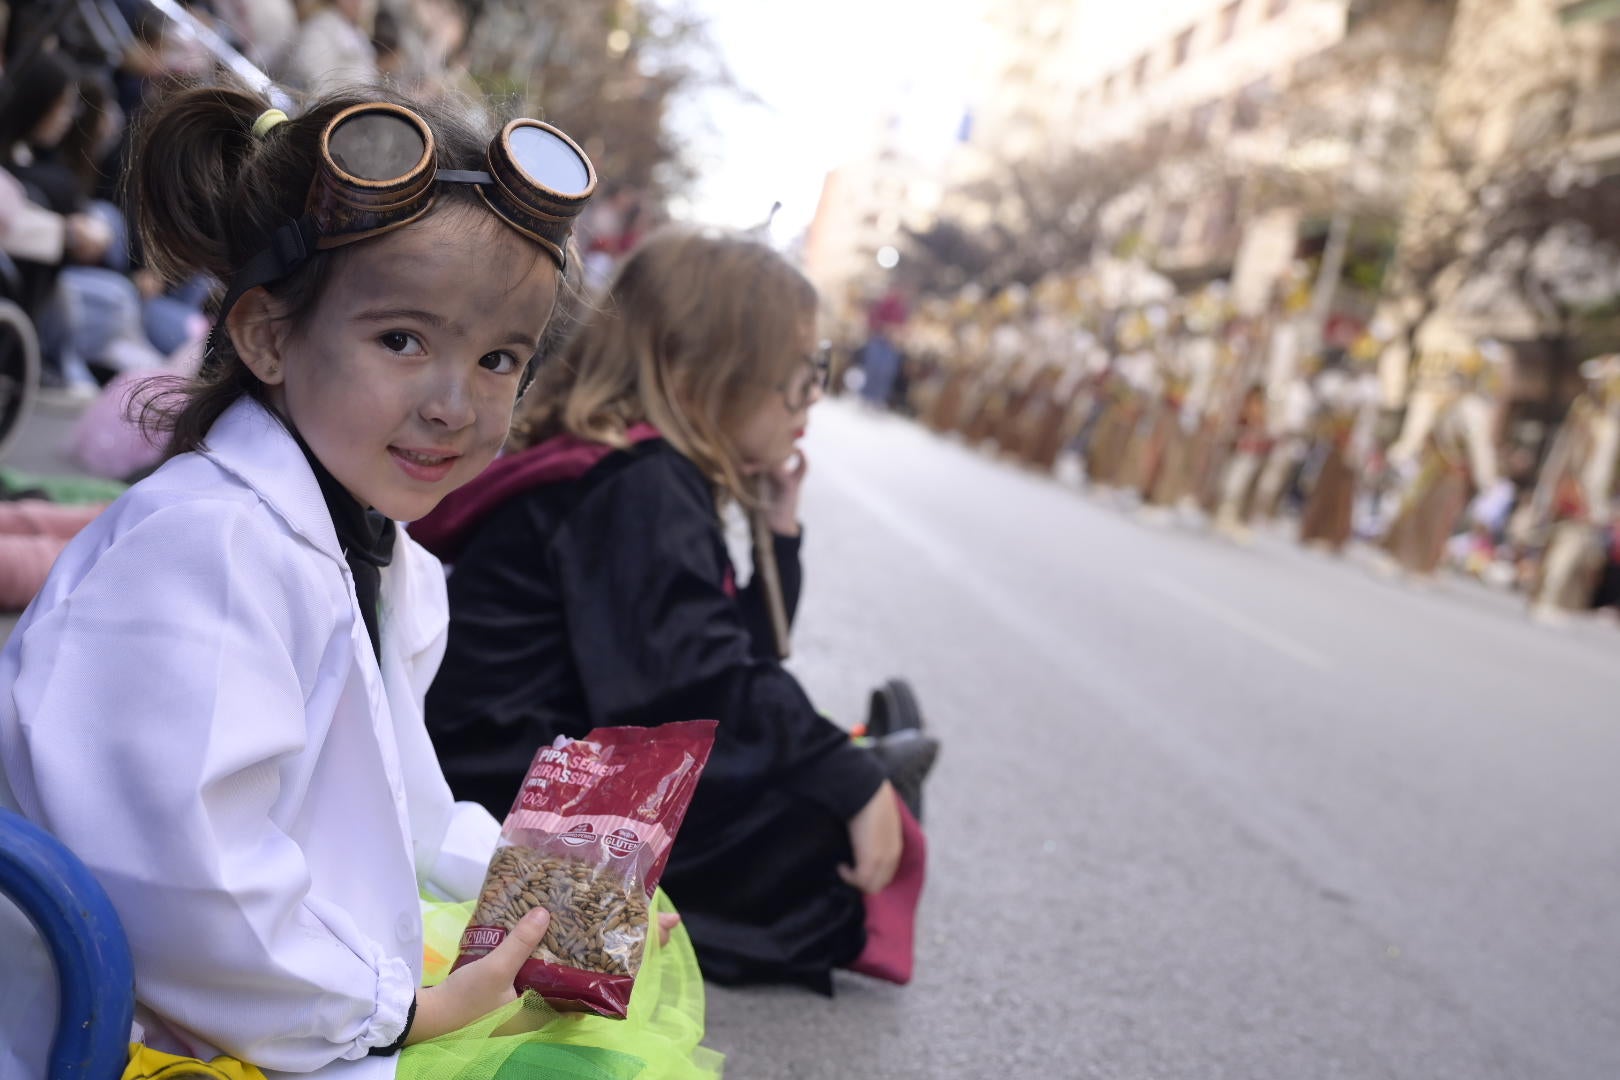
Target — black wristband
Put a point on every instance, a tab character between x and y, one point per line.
398	1044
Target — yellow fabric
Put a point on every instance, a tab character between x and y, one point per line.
148	1064
659	1039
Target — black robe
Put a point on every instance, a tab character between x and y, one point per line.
611	599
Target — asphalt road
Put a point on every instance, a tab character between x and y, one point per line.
1203	811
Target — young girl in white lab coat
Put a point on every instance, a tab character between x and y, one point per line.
215	701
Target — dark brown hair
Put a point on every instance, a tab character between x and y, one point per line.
697	327
206	194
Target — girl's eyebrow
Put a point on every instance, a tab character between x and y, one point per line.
433	319
439	322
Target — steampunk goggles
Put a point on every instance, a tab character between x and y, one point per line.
377	174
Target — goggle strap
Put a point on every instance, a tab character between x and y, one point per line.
290	247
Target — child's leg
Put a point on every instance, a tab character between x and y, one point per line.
25	561
36	517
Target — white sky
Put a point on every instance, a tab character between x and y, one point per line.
826	74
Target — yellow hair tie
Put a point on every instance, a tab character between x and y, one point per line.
267	120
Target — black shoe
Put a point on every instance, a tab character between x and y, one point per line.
893	707
908	757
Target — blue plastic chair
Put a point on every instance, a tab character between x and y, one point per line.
94	971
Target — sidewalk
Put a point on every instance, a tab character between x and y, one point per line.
42	446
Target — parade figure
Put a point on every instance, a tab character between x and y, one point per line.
1449	424
1575	493
1121	403
1197	385
1168	482
1291	411
964	355
1250	447
1348	410
1267	358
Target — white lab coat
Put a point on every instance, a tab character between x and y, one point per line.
193	706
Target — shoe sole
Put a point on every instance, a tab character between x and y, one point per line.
893	708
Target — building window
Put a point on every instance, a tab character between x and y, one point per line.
1157	138
1229	19
1139	73
1275	8
1250	105
1201	125
1220	221
1183	47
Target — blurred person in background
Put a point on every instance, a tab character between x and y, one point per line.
610	231
880	357
388	42
333	47
265	28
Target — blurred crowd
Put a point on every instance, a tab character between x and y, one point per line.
1183	410
76	82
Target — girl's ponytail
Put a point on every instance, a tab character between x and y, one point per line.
193	192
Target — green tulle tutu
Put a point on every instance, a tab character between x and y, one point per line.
527	1040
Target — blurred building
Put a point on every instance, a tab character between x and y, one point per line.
1257	122
1265	123
862	207
1432	163
1510	230
866	204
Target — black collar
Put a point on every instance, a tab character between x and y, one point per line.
366	537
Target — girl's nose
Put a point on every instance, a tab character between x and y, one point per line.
450	403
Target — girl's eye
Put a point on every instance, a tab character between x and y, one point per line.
501	363
399	341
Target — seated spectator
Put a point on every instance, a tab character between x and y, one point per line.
32	534
592	586
87	312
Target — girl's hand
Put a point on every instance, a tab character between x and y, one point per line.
531	1020
479	988
782	485
874	834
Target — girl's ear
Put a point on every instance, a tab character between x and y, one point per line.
259	335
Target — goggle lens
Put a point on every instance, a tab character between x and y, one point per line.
549	160
376	146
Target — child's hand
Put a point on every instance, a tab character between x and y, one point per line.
782	486
667	922
481	987
874	834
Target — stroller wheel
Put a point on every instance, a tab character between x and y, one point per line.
19	372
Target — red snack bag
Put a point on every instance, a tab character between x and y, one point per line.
587	839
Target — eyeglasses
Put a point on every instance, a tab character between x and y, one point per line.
376	173
809	381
